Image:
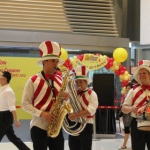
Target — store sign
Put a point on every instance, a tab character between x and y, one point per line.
93	62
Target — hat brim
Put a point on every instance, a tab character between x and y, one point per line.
87	79
136	70
40	61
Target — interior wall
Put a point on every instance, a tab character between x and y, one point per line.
33	39
118	15
141	54
133	20
146	54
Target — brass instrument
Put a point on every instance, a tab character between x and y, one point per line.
58	111
145	112
75	128
143	120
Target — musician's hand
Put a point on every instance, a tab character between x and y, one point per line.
47	116
72	116
66	96
134	109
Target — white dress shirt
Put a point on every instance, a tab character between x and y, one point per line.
92	105
129	99
7	98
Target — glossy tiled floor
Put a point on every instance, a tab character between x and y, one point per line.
99	143
104	144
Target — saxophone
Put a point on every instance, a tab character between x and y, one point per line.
58	111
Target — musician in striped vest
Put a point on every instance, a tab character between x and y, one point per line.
40	94
136	98
89	103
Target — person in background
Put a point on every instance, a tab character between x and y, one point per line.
8	113
136	98
126	119
40	93
133	81
89	102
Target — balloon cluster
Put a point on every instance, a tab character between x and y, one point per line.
114	64
120	55
118	69
74	61
67	62
75	58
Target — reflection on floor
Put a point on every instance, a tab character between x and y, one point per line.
101	143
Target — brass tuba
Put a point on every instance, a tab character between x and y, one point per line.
74	128
58	111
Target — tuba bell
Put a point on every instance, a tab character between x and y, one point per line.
73	128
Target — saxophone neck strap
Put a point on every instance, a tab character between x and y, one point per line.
50	85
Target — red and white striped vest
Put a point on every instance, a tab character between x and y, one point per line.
84	100
42	99
139	96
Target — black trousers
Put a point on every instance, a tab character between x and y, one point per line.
126	130
139	138
83	141
6	128
41	141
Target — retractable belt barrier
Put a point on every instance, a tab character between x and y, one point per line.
108	107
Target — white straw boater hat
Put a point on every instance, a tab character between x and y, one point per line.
81	73
141	64
49	50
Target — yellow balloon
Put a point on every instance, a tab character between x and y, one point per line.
121	77
122	92
64	54
74	57
120	54
114	63
116	67
126	78
105	57
126	73
112	68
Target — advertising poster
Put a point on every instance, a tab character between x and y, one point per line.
21	69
